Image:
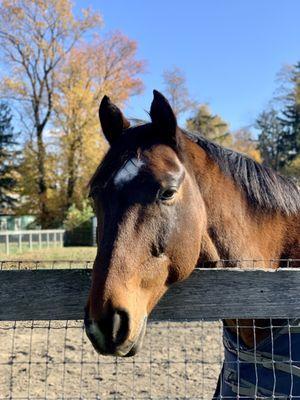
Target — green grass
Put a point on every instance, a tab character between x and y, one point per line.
51	254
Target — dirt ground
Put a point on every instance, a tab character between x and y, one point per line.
54	360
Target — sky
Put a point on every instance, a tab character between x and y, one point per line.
229	50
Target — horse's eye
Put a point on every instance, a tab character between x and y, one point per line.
167	194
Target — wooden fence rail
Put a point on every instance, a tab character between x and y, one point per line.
43	236
207	294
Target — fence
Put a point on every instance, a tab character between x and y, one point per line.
45	355
10	241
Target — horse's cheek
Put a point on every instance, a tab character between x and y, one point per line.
185	257
186	247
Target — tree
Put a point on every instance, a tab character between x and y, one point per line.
243	142
279	127
271	140
290	114
209	125
35	36
27	187
106	66
177	92
8	163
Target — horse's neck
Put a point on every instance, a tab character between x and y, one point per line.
235	230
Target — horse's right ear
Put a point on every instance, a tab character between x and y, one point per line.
112	120
163	117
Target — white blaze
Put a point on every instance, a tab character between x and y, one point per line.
128	172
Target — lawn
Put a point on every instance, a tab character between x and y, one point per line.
52	254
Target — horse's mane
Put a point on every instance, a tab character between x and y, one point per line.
264	188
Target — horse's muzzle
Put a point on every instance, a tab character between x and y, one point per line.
110	335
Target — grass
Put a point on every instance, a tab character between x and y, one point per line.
52	254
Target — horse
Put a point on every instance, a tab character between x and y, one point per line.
167	201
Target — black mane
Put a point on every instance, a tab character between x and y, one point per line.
264	188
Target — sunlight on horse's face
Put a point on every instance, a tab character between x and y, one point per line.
147	239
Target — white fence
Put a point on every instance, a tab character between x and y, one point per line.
12	241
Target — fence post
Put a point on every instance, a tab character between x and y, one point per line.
20	241
7	243
40	240
30	241
47	239
61	240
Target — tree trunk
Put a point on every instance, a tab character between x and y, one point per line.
72	177
44	216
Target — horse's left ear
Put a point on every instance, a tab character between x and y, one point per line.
112	120
163	117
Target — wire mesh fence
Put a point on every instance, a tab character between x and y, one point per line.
54	360
179	360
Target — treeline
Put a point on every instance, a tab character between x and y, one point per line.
56	68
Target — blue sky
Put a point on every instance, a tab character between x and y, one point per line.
229	50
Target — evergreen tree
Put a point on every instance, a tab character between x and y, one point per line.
279	128
271	140
7	160
209	125
290	117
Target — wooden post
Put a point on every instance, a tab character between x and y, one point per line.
61	239
47	239
40	240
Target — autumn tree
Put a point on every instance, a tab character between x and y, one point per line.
105	66
8	160
209	125
243	142
27	187
35	36
177	92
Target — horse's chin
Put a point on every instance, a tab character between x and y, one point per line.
138	344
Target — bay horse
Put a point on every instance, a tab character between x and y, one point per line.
166	201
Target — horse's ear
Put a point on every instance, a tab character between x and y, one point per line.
112	120
163	116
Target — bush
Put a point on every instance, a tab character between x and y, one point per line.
75	217
78	225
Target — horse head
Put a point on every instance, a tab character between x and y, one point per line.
150	217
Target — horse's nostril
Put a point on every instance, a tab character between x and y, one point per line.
120	326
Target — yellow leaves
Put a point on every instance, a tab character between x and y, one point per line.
10	85
243	142
106	66
91	19
293	169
